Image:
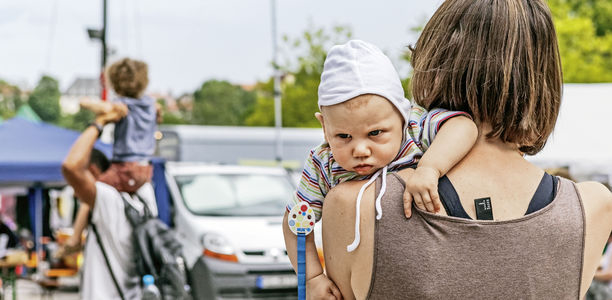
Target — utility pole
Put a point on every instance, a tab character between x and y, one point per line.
100	34
278	121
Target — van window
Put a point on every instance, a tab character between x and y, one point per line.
235	195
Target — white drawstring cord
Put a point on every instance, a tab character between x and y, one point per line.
383	188
383	171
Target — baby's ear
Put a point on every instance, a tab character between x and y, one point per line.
319	117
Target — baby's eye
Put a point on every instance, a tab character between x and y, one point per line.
375	132
343	135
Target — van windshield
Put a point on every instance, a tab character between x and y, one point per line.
235	195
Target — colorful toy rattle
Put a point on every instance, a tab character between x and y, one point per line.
301	222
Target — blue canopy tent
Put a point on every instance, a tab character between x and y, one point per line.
31	154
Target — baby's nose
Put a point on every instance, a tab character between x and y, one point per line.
361	150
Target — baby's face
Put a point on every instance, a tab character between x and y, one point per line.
364	133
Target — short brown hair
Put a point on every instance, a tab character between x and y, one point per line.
496	60
128	77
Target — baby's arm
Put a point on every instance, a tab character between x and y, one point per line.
452	142
313	188
104	107
318	286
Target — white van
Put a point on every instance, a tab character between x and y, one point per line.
230	219
236	145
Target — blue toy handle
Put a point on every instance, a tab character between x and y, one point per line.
301	262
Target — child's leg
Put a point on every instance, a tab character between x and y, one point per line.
127	176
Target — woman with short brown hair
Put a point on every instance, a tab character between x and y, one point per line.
509	230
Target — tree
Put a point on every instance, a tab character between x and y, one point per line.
10	99
263	111
172	118
44	100
77	121
222	103
302	66
584	30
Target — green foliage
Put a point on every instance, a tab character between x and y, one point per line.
10	99
173	119
302	66
170	118
222	103
584	30
44	100
77	121
263	111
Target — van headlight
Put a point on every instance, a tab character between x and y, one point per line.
217	246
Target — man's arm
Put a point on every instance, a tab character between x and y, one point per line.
75	166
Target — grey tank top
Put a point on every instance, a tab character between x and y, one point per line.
537	256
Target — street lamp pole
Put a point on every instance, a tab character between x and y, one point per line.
278	123
103	39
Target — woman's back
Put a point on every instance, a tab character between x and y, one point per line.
490	170
467	259
493	170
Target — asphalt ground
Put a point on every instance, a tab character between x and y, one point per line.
30	290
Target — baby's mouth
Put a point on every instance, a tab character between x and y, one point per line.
362	168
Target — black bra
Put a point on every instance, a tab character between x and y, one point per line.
543	196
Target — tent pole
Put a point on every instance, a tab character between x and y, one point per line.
38	203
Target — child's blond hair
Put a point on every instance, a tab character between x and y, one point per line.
128	77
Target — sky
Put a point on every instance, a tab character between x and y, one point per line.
186	42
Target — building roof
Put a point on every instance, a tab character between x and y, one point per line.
82	86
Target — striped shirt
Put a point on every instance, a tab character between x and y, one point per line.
322	172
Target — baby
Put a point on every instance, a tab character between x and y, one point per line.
370	129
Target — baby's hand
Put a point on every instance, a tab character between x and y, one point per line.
422	188
321	287
118	111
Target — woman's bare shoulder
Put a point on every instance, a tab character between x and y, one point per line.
596	195
595	191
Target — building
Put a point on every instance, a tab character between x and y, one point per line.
81	88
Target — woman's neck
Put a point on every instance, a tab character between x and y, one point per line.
492	153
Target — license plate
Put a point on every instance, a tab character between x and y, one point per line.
276	281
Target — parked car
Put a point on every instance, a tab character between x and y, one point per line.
230	219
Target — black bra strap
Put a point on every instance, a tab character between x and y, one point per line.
544	195
450	199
